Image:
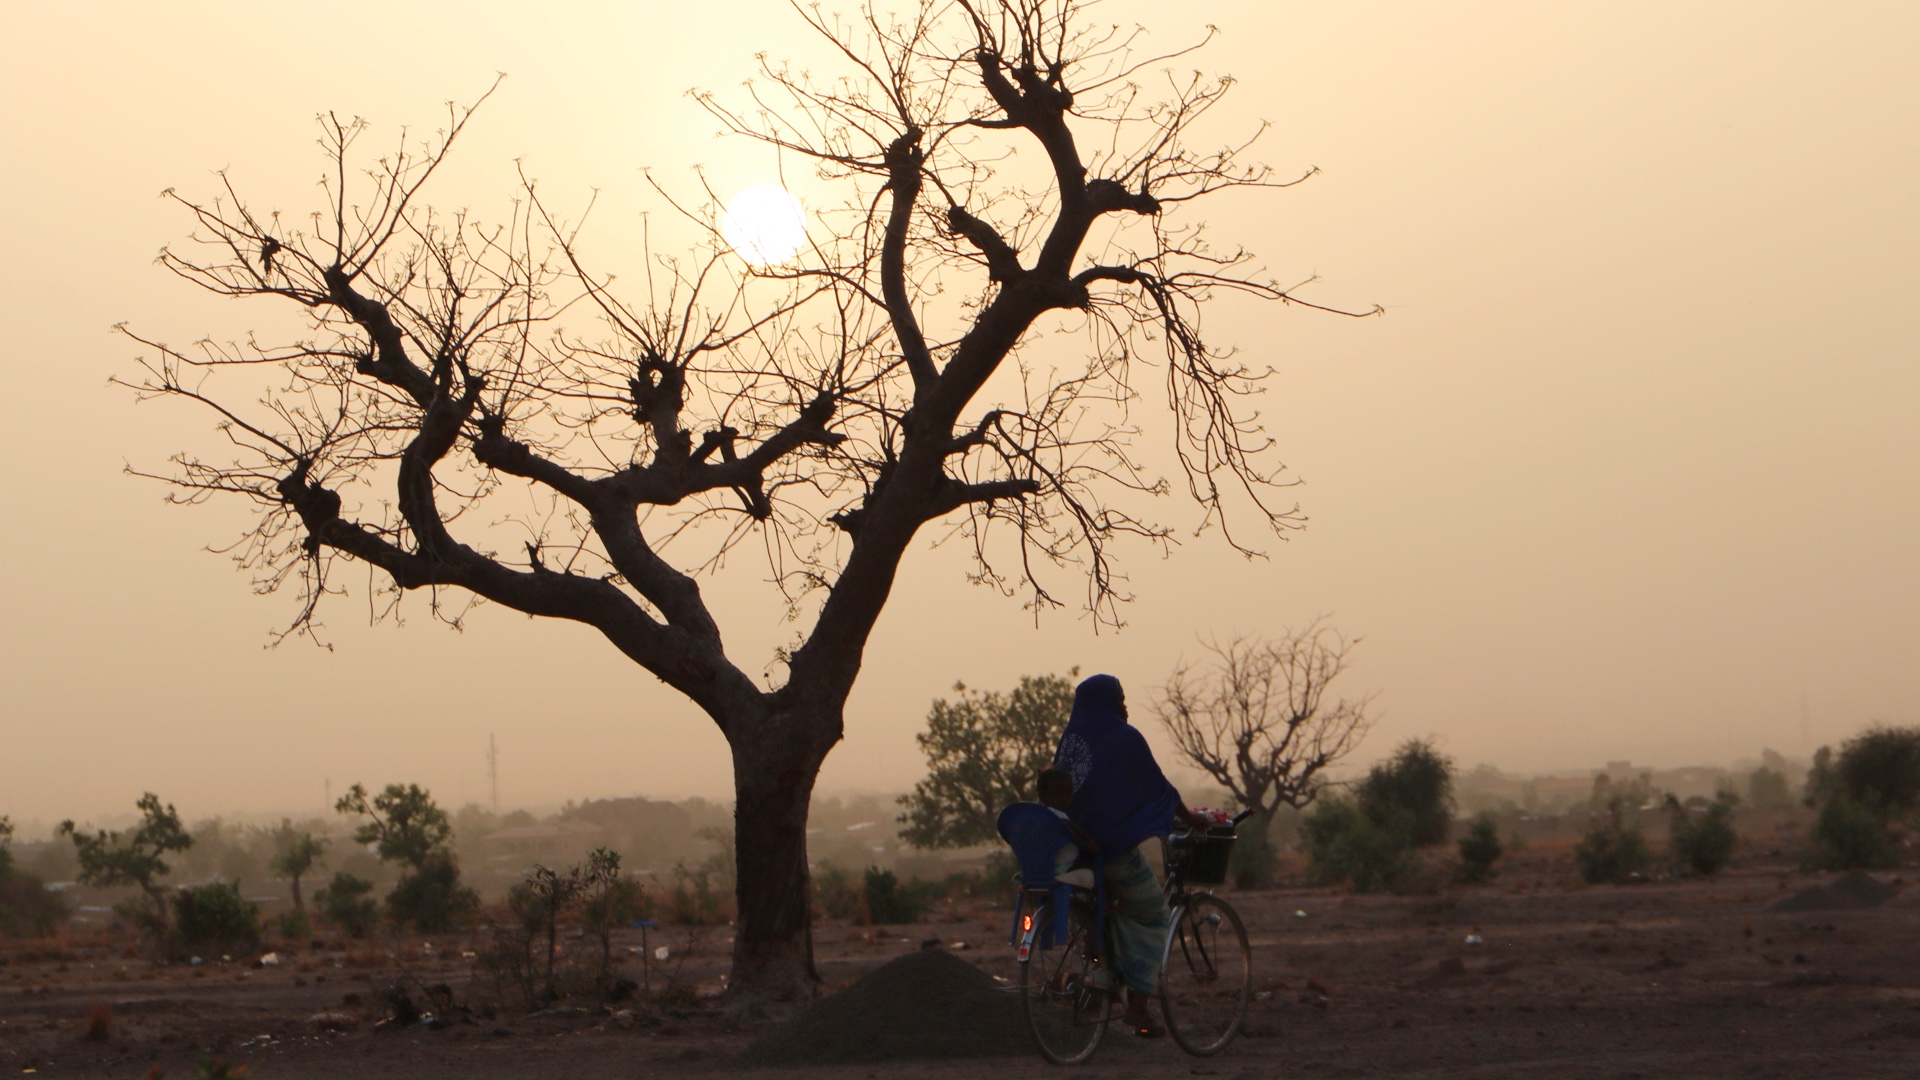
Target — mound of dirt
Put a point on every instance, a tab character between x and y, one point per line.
1850	891
927	1004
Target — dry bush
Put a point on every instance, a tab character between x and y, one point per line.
99	1021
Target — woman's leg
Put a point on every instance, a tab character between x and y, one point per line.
1140	926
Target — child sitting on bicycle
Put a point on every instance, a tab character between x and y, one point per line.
1055	788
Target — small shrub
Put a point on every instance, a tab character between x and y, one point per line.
217	917
1254	862
1344	844
1702	843
292	925
529	962
890	902
344	903
1849	836
836	896
431	898
1768	789
1411	794
27	909
1611	850
1879	769
1479	850
700	895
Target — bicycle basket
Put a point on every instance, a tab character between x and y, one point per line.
1203	859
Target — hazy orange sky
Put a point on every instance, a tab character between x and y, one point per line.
1627	470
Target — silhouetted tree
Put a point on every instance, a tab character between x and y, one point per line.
1768	789
136	858
1411	793
1880	769
983	751
824	410
408	827
295	854
402	822
1258	719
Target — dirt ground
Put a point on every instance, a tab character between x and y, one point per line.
1668	979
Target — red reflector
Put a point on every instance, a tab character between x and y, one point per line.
1026	922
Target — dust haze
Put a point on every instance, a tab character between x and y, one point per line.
1625	472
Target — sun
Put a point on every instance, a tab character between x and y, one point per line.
764	225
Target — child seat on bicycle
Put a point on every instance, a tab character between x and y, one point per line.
1038	836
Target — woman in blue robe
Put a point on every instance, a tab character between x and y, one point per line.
1121	798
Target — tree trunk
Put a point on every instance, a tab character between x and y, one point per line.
773	775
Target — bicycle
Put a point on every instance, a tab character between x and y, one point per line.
1206	975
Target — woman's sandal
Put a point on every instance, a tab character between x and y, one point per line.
1142	1022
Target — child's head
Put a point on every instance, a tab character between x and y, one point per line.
1056	788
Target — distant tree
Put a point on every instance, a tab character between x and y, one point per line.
137	858
406	826
402	822
1344	844
999	171
1612	849
1258	718
295	854
1768	789
1849	836
983	750
1702	840
1480	849
1823	782
1880	770
1411	793
27	908
215	916
344	903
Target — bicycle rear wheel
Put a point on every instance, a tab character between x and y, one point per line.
1066	1008
1208	978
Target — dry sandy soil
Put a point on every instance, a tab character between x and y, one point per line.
1672	979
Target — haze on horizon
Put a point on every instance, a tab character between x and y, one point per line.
1627	470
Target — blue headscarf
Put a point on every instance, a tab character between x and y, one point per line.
1120	796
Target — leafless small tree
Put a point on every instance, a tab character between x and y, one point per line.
472	413
1258	719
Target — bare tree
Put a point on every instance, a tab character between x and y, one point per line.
1258	719
457	372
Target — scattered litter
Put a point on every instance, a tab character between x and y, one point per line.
959	946
332	1021
468	954
195	962
1299	914
1264	995
271	959
662	953
1475	939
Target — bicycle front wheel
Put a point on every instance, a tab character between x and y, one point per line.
1066	1007
1208	978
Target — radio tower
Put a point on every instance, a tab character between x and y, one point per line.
493	773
